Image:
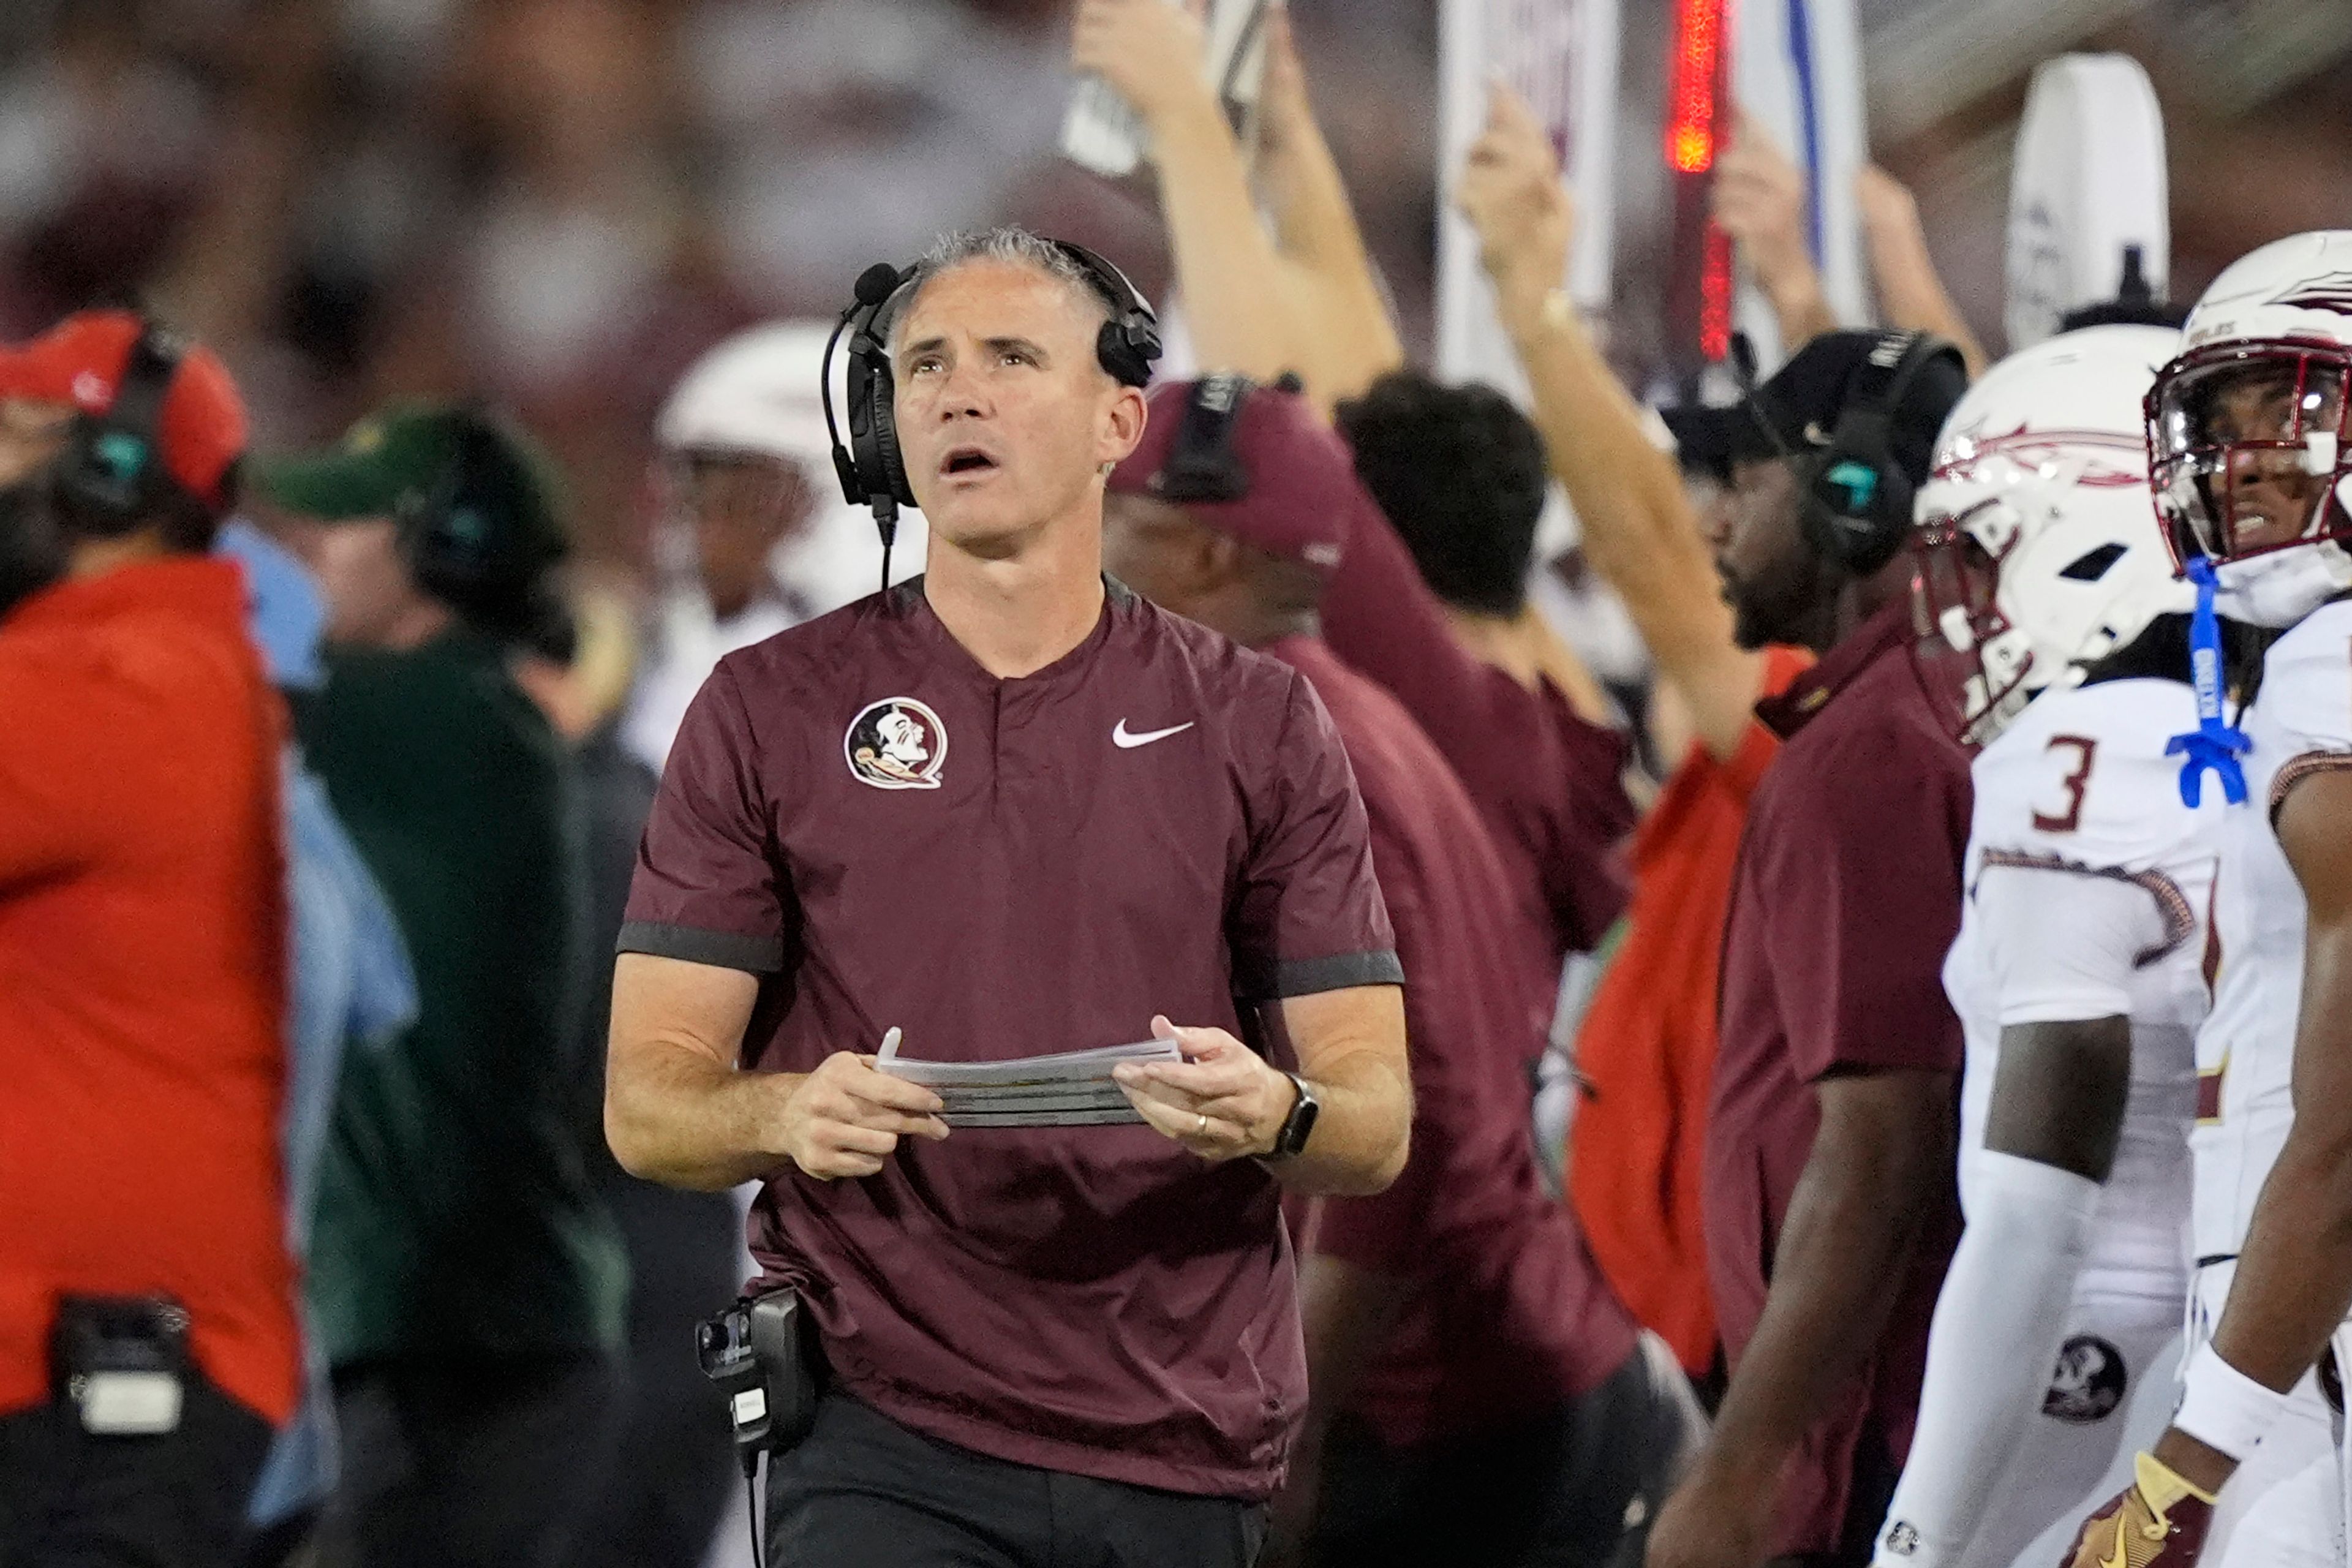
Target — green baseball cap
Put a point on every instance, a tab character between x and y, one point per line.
410	460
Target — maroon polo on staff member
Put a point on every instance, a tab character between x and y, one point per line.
1158	822
1508	1316
1845	899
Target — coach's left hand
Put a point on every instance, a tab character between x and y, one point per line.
1223	1101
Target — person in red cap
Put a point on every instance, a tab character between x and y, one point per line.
1476	1393
148	1342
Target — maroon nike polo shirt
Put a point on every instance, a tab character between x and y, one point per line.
1844	901
1508	1316
1159	822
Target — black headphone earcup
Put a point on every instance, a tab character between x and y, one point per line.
1854	511
1122	356
101	479
883	468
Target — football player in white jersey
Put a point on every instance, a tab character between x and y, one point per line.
2075	971
2248	451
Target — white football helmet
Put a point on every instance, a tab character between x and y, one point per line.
2248	433
748	416
754	394
2037	546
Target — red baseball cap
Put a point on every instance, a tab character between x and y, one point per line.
1280	480
79	363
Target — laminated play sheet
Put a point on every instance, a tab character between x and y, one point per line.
1068	1088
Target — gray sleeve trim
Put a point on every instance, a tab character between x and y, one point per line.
1306	976
721	949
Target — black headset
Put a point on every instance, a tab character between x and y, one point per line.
111	476
1203	465
873	473
451	533
1853	499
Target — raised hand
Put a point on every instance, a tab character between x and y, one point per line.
1148	49
1510	193
1760	201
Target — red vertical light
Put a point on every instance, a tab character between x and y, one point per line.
1715	294
1691	118
1698	115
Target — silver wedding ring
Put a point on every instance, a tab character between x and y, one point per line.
1202	1131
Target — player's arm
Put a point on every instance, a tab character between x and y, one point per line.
1234	294
1909	290
1640	533
678	1111
1883	1151
2061	946
1225	1101
2294	1280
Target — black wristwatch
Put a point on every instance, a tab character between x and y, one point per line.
1300	1125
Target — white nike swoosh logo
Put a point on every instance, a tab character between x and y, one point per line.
1127	740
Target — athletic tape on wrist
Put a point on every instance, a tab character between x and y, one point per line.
2223	1408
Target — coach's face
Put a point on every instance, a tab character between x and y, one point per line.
1007	421
1773	580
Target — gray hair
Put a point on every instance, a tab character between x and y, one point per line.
1008	243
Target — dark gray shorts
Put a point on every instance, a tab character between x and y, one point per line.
862	1490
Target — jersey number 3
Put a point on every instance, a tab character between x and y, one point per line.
2085	750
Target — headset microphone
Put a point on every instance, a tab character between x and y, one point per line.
1743	368
873	475
877	284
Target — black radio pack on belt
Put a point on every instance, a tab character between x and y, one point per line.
121	1362
873	473
762	1353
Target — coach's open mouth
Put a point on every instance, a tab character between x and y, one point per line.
966	460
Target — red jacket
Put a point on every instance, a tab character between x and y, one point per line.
143	958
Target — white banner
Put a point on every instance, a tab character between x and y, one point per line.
1797	72
2088	182
1562	56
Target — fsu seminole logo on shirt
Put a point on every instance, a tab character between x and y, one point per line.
895	743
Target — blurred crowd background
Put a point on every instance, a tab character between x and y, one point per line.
561	202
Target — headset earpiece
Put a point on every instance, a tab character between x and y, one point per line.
1127	343
1203	465
880	472
112	476
1855	501
449	534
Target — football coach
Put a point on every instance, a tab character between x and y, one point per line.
1009	808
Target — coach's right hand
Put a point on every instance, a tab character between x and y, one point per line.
845	1117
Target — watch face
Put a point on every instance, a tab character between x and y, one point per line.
1300	1124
